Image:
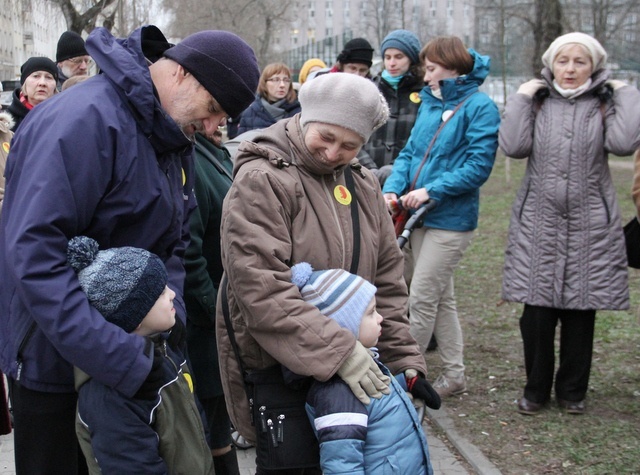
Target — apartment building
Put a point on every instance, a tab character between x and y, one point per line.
27	28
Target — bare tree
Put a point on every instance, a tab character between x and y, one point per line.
259	22
83	18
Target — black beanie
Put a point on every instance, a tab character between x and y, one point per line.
224	64
70	45
358	50
37	63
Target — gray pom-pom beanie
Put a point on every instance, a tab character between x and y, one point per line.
338	294
122	283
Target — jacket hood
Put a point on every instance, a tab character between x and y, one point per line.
122	61
464	85
6	122
282	145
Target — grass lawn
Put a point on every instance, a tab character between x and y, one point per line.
604	441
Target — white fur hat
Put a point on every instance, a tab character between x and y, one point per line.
346	100
593	46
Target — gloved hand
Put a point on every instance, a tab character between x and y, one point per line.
529	88
615	84
154	380
363	376
421	389
178	336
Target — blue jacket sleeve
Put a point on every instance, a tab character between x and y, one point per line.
340	422
481	137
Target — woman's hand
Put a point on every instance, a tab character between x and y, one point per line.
416	198
390	198
529	88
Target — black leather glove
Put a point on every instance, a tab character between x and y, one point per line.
154	380
421	389
178	336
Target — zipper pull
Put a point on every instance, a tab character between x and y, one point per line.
263	418
251	411
274	440
281	428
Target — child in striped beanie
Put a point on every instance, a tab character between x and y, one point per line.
354	436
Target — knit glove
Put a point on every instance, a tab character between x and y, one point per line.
154	380
363	376
421	389
529	88
615	84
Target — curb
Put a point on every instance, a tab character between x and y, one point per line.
474	457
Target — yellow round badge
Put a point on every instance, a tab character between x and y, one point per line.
342	195
184	178
5	147
415	97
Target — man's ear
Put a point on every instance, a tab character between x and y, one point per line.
181	73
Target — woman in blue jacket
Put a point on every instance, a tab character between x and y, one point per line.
276	99
449	155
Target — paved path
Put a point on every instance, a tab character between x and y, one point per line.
445	461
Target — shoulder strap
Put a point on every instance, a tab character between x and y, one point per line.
355	219
433	141
232	333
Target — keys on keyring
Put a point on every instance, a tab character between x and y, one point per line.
263	418
281	428
272	433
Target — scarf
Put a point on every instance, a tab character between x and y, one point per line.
25	102
393	81
572	93
275	110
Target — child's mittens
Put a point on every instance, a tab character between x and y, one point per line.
421	389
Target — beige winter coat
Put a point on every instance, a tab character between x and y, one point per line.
284	208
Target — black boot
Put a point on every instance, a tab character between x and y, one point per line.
226	464
433	344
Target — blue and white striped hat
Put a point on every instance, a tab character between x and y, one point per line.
122	283
338	294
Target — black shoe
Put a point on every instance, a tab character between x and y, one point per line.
529	408
572	407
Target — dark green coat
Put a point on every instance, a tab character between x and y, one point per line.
204	266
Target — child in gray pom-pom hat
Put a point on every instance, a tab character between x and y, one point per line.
128	286
355	437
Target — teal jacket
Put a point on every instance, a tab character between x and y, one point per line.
461	158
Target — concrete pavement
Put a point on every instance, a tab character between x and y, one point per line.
445	461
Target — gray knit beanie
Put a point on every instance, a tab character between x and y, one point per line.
346	100
404	40
122	283
338	294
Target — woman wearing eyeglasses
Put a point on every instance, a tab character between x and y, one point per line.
38	76
276	99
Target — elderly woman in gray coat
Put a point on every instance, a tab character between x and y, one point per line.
565	256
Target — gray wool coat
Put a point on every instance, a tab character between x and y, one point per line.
565	244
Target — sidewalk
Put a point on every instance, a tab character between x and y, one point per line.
444	461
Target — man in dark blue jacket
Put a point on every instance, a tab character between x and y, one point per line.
112	160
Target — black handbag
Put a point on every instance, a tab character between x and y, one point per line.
632	240
284	436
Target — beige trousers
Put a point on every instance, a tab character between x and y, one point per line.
432	304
